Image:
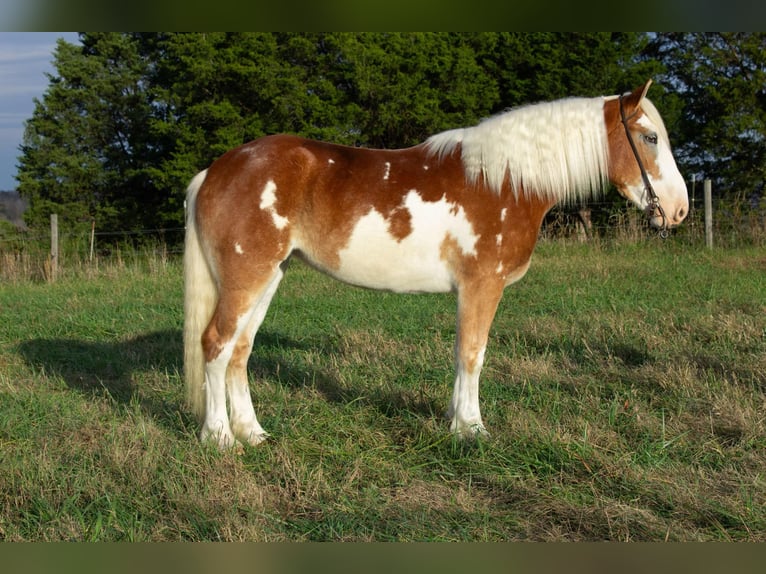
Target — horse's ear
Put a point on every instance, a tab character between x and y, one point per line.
632	101
645	88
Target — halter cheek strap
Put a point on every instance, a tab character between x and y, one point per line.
653	202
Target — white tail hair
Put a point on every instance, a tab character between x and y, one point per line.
200	297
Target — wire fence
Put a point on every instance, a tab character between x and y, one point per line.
29	238
27	254
732	224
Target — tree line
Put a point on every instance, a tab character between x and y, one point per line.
128	118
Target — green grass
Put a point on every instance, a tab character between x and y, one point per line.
623	389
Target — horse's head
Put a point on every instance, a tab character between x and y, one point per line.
641	163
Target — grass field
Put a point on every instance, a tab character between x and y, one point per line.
624	390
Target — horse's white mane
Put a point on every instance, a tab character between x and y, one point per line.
555	149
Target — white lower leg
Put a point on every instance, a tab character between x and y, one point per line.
464	410
244	423
216	426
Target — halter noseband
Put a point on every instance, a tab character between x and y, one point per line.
653	204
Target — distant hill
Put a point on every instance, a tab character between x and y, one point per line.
12	208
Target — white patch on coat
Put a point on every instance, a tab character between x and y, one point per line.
387	171
268	199
238	248
373	258
503	213
331	161
669	185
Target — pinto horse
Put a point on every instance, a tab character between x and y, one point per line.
459	212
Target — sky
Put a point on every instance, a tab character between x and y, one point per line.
25	57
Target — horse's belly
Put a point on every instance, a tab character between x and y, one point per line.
405	252
393	266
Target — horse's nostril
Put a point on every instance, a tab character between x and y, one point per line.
681	214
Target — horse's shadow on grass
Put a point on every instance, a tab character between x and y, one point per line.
122	370
275	362
116	369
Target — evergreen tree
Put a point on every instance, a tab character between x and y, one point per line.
87	143
128	119
405	87
721	80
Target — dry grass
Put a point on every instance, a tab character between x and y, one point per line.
624	390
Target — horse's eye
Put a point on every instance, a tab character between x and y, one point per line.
650	138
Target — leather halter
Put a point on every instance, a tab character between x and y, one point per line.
653	202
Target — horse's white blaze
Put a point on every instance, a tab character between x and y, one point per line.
268	199
374	258
669	184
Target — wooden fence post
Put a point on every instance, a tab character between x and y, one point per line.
54	246
708	213
92	238
692	198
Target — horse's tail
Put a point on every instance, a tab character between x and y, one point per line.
200	297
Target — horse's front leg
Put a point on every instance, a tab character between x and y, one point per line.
477	304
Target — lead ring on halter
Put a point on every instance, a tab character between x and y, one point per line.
653	202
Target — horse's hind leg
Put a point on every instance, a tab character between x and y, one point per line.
237	316
244	423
